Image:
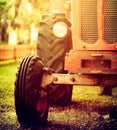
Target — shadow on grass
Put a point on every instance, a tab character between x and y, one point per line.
91	107
88	106
52	126
98	124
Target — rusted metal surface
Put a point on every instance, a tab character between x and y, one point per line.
73	79
91	53
79	43
103	62
94	36
79	79
46	80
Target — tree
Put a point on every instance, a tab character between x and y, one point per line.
4	8
20	12
30	11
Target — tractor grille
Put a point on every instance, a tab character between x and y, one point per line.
88	20
110	22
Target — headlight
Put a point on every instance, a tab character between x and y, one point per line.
60	29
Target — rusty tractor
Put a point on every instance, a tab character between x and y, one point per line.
77	45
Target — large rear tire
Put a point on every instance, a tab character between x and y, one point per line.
52	50
31	101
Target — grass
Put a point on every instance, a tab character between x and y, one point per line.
3	43
7	110
84	98
89	99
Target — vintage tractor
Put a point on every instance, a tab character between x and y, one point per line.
77	45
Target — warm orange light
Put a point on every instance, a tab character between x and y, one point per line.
67	6
13	38
60	29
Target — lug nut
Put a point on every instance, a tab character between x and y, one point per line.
73	79
55	79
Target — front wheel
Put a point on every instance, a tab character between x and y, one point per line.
31	101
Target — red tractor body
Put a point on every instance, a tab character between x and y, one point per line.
94	36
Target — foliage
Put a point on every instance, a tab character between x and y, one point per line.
23	13
2	6
31	11
5	5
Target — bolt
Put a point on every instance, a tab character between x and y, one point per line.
84	47
55	79
73	79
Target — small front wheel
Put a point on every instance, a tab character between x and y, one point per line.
30	98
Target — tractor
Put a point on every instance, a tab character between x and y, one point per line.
77	45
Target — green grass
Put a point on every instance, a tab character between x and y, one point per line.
91	93
7	109
88	98
3	43
84	97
